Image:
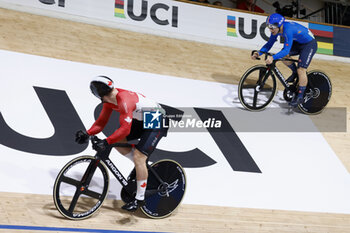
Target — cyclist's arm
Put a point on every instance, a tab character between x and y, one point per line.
101	121
127	106
268	45
288	41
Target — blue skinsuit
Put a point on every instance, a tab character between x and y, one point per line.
297	40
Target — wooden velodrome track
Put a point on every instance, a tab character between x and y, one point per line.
50	37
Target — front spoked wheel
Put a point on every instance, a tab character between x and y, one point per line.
256	88
162	199
317	94
81	187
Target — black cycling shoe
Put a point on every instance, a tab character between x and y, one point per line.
291	78
133	205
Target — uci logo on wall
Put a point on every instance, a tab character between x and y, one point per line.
61	3
236	27
160	13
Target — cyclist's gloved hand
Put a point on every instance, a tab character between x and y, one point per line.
254	54
100	145
269	60
81	137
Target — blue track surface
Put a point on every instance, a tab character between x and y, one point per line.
36	228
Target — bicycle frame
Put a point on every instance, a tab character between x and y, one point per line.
104	156
273	70
84	181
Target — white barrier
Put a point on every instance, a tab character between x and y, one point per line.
162	17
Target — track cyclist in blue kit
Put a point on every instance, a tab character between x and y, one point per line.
298	40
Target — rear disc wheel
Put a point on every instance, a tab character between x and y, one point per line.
162	199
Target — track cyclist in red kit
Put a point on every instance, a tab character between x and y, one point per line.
298	40
130	106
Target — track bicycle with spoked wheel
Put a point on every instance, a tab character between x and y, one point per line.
258	87
82	185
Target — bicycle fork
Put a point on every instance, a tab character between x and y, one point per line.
83	185
262	79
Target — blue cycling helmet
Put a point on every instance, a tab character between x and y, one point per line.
275	21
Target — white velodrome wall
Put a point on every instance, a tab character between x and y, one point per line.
162	17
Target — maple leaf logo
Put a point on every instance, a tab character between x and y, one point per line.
128	119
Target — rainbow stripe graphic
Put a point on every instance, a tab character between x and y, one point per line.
231	26
324	36
119	9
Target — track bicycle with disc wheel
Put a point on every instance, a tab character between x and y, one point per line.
258	87
82	185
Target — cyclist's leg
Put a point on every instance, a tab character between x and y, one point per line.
123	150
291	65
147	144
307	52
135	133
302	76
140	160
